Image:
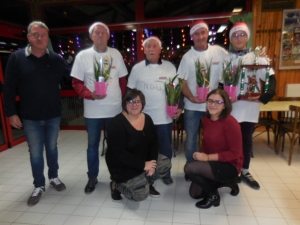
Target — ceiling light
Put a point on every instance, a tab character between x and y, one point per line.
222	28
237	9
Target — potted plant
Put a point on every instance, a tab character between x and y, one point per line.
202	78
231	75
173	92
102	69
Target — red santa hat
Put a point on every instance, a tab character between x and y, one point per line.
196	25
239	26
152	38
96	24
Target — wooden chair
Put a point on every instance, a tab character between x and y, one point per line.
178	130
103	142
292	129
266	120
284	117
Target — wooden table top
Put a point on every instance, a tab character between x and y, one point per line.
278	105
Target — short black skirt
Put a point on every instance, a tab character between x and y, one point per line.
223	171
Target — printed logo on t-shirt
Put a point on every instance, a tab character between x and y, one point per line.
215	63
163	78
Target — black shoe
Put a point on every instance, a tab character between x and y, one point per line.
90	186
211	199
115	194
248	179
153	193
235	190
239	179
186	177
167	180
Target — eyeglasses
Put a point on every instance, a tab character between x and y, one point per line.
242	35
217	102
37	35
136	102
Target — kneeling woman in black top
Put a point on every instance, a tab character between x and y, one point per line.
132	156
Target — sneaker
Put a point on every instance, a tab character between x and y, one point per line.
36	195
57	184
153	193
90	186
248	179
167	180
115	194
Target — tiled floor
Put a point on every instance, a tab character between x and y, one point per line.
276	203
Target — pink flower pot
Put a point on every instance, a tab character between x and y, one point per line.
202	92
100	88
171	109
231	91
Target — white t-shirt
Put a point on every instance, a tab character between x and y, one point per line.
248	111
187	71
150	80
83	70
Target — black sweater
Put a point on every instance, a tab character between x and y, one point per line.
128	148
36	81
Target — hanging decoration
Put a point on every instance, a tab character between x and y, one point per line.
183	37
132	46
112	40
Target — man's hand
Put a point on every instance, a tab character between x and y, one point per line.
234	100
195	99
177	114
255	98
15	121
97	97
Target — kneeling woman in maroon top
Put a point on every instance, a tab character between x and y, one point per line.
221	157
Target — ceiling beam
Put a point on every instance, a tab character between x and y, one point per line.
124	11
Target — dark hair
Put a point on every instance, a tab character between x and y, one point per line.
131	94
227	102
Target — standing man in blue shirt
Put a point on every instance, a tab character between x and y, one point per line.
34	73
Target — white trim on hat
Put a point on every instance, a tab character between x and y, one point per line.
152	38
240	26
197	26
96	24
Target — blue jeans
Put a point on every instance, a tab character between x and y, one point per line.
94	128
191	126
40	133
164	137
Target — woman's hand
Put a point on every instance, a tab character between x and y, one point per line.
150	165
200	156
150	172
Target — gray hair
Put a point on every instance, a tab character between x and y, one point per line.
37	23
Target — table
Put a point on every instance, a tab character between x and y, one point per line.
278	106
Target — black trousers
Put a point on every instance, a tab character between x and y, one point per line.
247	129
